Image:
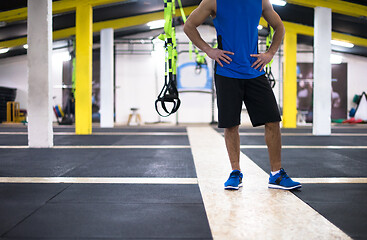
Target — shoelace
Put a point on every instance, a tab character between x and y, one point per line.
284	175
234	175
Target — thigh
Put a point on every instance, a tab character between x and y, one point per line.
260	101
229	101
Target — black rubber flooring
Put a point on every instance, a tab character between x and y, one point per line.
102	211
97	163
343	204
310	140
67	140
315	162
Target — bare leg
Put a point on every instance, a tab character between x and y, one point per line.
232	139
274	142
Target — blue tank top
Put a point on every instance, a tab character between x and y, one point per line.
236	23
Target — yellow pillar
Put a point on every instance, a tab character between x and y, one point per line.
290	80
83	85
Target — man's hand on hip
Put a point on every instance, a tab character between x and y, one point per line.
218	55
262	59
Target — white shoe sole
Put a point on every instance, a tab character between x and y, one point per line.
233	188
274	186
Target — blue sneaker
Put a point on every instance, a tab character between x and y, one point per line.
234	181
282	181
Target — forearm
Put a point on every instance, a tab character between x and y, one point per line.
277	39
191	31
265	58
194	35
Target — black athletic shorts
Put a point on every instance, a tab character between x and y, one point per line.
257	95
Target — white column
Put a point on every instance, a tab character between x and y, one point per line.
40	132
107	63
322	72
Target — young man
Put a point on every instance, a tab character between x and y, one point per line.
240	77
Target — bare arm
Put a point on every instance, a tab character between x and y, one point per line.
276	23
196	18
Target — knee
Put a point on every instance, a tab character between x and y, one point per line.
272	125
231	129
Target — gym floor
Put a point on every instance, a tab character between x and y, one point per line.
167	183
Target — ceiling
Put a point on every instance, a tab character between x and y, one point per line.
291	13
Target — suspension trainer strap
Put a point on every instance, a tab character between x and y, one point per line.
183	15
200	58
182	11
200	61
269	75
169	93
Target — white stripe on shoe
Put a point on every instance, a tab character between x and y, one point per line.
234	187
275	186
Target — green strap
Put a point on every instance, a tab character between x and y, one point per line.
267	69
184	20
269	39
174	51
182	11
168	36
174	42
200	58
190	50
168	18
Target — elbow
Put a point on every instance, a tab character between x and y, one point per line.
186	27
281	29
